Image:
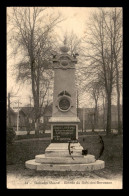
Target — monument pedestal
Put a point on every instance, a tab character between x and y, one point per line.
57	158
61	155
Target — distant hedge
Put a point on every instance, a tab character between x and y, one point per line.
31	136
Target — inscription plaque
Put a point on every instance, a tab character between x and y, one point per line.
64	133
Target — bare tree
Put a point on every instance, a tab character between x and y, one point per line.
100	55
114	30
32	36
117	51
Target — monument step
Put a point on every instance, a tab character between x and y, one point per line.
64	160
63	153
31	164
63	146
62	150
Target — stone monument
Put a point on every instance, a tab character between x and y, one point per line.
64	152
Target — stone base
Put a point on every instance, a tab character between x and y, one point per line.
57	158
64	160
31	164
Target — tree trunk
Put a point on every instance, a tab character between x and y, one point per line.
96	115
118	99
37	127
118	109
27	126
9	117
36	107
93	122
103	114
35	91
108	127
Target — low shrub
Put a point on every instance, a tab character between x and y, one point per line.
10	135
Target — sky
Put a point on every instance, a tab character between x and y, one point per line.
75	20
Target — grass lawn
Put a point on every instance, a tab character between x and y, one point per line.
23	150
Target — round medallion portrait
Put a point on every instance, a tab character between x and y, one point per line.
64	104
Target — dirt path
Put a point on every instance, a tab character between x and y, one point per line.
25	178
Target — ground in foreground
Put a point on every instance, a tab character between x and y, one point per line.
109	177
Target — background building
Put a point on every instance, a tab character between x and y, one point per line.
86	116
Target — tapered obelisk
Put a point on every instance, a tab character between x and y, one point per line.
64	121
